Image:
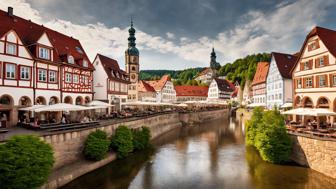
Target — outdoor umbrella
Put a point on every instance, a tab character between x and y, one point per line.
99	104
61	107
32	108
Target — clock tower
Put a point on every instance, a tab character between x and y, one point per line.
132	65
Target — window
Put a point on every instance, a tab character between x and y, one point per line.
306	65
299	84
321	61
334	80
280	96
52	76
71	59
309	82
10	71
11	48
86	80
85	63
322	81
42	75
76	79
24	73
44	53
68	78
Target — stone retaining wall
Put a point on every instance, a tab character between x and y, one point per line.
68	146
317	153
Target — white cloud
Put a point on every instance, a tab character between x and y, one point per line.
257	32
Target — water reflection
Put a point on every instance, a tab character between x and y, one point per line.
211	155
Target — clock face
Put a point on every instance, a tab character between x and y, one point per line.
133	76
134	59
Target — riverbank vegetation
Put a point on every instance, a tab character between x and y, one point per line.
25	162
97	145
141	138
267	132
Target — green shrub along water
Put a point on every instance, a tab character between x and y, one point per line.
122	141
267	132
141	138
97	145
25	162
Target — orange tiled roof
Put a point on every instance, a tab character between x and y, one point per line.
145	87
191	90
159	84
261	73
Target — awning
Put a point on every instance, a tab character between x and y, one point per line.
310	112
61	107
98	103
141	103
32	108
287	105
256	105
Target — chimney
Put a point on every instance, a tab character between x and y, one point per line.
10	11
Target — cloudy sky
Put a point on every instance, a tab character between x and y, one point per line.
178	34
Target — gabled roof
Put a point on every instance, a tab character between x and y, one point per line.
224	85
159	84
145	87
205	71
30	33
327	36
112	69
191	90
285	63
261	73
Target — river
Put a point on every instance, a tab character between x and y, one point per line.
206	156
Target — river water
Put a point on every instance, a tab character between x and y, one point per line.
211	155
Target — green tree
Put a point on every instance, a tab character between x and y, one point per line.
25	162
141	138
272	139
96	145
252	125
122	141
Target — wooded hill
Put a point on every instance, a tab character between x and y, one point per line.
239	70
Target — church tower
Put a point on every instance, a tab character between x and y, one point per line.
213	62
132	65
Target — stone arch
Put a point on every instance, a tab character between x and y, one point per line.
6	100
87	99
297	102
307	102
79	100
40	101
53	100
25	101
323	102
68	100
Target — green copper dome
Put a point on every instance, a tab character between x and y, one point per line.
132	50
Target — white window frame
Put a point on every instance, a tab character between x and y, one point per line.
52	76
322	78
309	82
321	62
306	65
299	83
25	73
44	53
10	71
11	48
42	75
75	78
68	77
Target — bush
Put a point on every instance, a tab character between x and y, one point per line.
25	162
252	125
141	138
122	141
272	140
96	145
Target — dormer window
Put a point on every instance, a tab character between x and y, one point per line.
71	59
44	53
85	63
11	48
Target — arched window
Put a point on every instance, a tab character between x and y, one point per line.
71	59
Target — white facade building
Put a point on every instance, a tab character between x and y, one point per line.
220	89
279	81
164	88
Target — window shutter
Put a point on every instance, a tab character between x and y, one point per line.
309	48
317	82
326	80
317	44
326	59
301	66
295	83
311	64
313	81
304	83
316	63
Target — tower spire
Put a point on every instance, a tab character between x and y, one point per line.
132	50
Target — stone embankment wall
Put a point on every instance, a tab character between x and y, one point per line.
317	153
68	146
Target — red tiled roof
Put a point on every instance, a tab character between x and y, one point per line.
285	63
191	91
159	84
261	73
112	69
224	85
205	71
145	87
327	36
30	33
